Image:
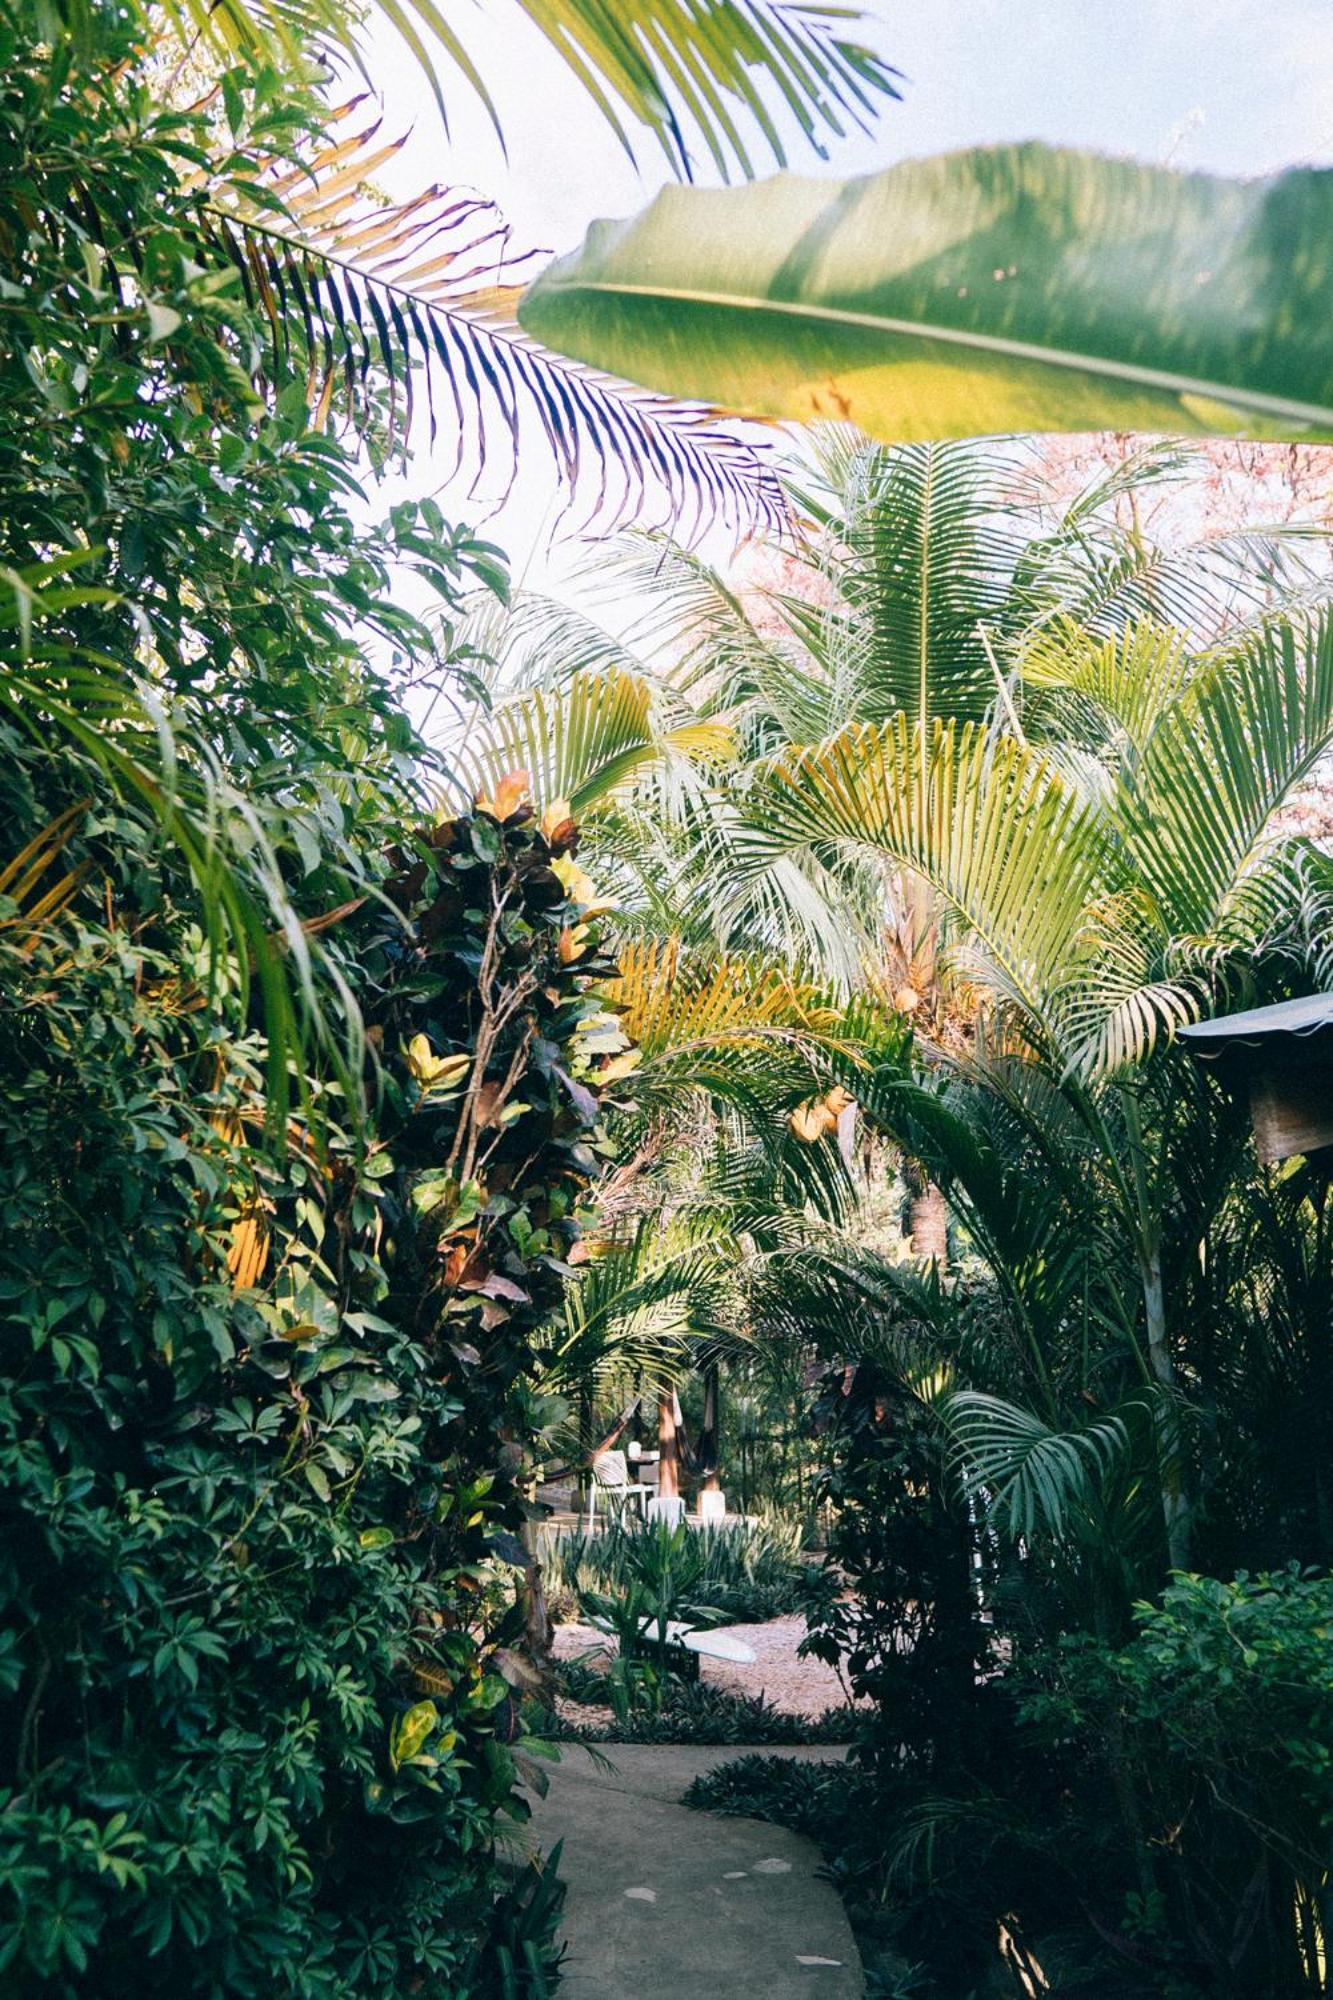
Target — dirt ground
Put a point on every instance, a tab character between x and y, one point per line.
800	1687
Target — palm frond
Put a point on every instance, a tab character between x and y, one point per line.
394	311
638	1304
1196	813
677	68
120	729
921	550
587	740
694	76
736	1033
1106	694
1098	563
1011	850
1033	1479
671	1001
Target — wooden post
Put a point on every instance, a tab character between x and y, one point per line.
668	1464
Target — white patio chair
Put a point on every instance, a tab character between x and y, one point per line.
610	1478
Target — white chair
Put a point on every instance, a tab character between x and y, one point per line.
667	1507
610	1478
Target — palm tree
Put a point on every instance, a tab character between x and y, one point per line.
1097	891
1056	872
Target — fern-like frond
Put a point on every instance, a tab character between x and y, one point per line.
587	740
389	311
1034	1479
1197	812
921	550
696	76
1012	851
716	68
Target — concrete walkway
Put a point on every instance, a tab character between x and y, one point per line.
669	1904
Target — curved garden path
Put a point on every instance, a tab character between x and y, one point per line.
669	1904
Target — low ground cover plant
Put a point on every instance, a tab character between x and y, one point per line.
685	1712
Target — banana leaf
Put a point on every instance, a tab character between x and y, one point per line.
1007	288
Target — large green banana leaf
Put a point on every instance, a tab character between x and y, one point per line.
1010	288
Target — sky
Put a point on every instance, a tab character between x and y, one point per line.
1231	86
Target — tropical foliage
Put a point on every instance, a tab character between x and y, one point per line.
1006	288
266	1428
299	1106
747	1571
830	920
1027	764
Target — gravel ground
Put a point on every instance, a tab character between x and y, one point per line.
800	1687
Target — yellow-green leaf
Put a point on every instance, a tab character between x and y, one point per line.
410	1731
1009	288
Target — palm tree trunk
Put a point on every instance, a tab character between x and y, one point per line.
1175	1504
1174	1497
927	1215
537	1628
668	1463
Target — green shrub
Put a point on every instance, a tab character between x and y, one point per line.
747	1572
259	1735
1210	1738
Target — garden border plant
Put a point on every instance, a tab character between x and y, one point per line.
299	1098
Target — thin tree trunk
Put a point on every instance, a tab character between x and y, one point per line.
1174	1497
1175	1504
668	1463
537	1631
584	1478
710	1444
1171	1461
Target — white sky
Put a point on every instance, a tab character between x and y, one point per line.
1234	86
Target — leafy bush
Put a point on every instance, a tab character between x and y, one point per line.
748	1571
263	1424
293	1134
1212	1732
1141	1816
893	1606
